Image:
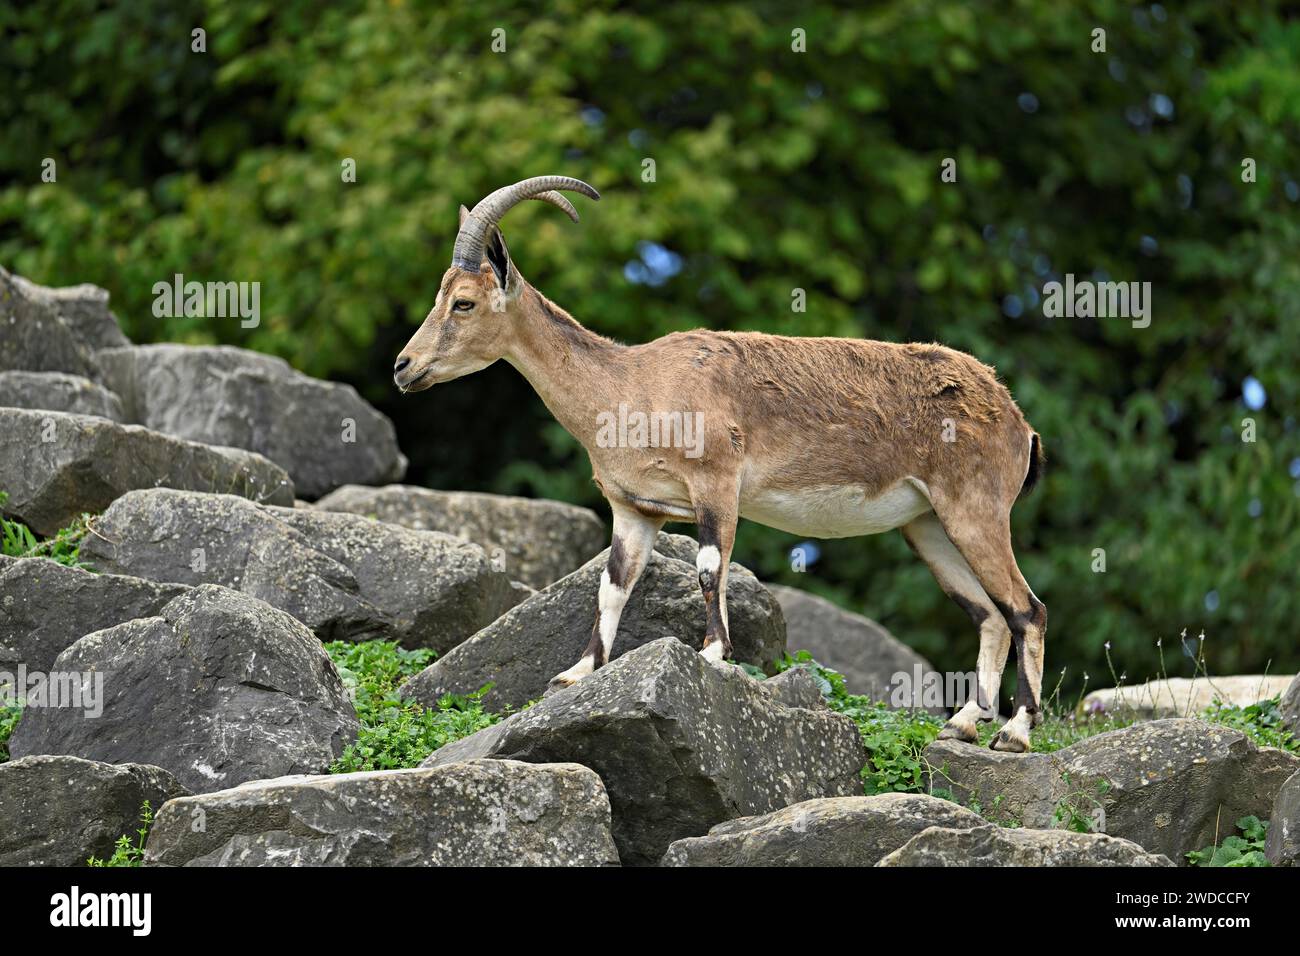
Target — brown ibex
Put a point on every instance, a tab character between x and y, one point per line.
822	437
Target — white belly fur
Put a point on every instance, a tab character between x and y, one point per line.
836	512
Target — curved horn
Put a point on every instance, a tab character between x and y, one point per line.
558	200
468	252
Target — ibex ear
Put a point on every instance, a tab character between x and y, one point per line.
498	257
464	214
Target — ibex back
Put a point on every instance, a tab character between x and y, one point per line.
821	437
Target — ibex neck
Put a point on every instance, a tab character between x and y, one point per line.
576	372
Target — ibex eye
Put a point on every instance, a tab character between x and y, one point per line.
462	305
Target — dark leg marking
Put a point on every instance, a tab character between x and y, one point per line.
1019	622
715	629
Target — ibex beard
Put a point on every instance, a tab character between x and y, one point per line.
821	437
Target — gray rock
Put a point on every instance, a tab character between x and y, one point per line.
60	811
218	689
82	308
342	575
33	335
999	846
56	466
1168	785
323	433
46	606
833	831
1181	696
795	688
58	392
1290	707
1012	789
536	542
866	654
1177	785
479	813
1282	846
681	745
523	649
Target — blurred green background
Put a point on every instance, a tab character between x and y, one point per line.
775	170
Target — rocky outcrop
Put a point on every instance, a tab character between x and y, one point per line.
342	575
478	813
521	651
832	831
322	433
58	392
60	811
218	689
1282	846
34	337
536	542
1183	697
1290	707
46	606
874	662
681	745
1167	785
999	846
54	466
83	309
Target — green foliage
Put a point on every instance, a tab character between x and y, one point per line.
9	714
125	852
775	171
1081	810
894	738
396	733
1262	722
1244	850
17	540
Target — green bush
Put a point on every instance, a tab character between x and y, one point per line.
396	733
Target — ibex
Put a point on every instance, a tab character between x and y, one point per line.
821	437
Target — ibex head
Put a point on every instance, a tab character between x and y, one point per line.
469	326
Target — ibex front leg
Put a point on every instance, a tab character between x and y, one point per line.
634	540
716	524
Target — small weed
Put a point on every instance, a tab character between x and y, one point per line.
17	540
1082	811
9	714
126	853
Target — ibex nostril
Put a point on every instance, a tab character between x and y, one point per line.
401	364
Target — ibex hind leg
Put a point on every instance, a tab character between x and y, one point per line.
926	536
983	536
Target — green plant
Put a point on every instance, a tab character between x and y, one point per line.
1262	722
398	733
18	541
1244	850
9	714
894	738
1082	811
126	853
